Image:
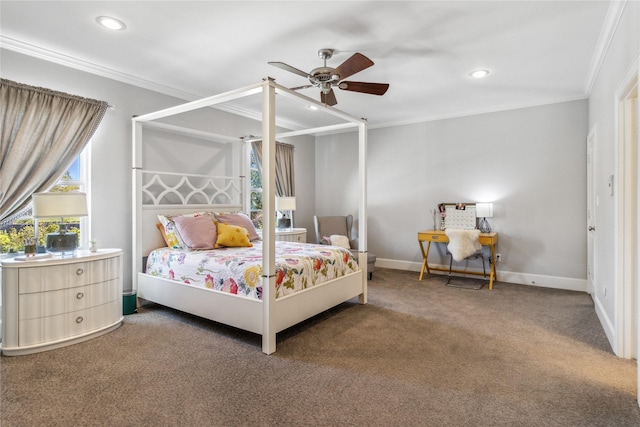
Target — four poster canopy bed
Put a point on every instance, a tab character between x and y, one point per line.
196	251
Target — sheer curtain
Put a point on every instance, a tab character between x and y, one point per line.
285	178
43	131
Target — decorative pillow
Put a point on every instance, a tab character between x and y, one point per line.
338	240
170	233
174	239
240	219
164	235
232	236
197	232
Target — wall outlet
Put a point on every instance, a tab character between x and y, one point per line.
498	258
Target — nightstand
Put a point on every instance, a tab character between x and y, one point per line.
290	234
54	302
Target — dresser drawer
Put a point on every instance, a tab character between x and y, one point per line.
68	325
298	237
52	303
68	275
433	237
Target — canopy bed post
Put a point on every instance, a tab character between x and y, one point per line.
136	211
362	207
268	211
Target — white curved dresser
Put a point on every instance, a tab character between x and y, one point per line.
54	302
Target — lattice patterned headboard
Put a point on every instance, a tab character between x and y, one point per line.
170	193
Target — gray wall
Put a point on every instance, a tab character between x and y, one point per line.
529	162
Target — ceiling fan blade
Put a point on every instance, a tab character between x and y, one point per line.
301	87
329	98
371	88
289	68
355	64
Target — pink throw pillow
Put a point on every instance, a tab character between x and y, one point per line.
198	232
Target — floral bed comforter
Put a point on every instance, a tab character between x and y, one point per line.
239	270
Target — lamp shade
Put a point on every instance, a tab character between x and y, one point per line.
59	205
484	210
285	203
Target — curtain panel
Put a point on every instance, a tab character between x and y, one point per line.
42	133
285	177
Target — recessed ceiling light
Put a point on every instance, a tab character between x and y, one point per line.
111	23
478	74
312	107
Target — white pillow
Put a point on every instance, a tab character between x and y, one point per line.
338	240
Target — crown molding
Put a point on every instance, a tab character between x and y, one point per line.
495	109
89	67
611	21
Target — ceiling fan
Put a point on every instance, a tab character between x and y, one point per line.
326	78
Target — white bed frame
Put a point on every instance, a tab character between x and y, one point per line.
269	315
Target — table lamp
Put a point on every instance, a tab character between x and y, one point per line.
60	205
484	211
285	205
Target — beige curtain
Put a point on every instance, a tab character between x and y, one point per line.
285	177
43	131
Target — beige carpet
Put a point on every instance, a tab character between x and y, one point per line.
419	354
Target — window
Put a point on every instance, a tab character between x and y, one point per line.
284	177
12	236
255	190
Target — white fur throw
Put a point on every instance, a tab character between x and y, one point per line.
463	243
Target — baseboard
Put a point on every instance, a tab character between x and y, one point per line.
555	282
607	324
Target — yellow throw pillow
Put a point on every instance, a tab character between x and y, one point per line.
232	236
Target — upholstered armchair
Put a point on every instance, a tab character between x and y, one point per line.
327	226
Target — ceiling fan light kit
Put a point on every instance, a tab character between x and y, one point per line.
326	78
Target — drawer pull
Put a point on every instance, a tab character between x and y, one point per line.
435	237
79	295
79	271
79	319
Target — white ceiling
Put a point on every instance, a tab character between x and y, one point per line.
538	52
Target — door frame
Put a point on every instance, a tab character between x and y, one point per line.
626	192
627	230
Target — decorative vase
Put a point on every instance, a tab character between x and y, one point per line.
93	247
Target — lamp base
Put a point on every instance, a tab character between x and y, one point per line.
62	242
284	223
484	226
